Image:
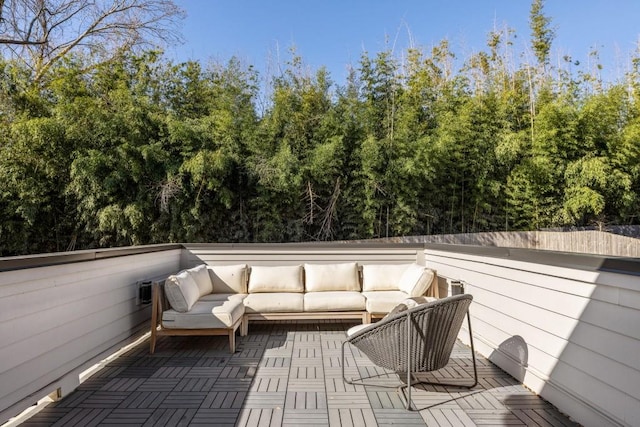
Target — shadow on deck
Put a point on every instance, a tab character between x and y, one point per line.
283	373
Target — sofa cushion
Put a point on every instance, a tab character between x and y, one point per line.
382	277
276	302
382	302
332	277
416	280
276	279
205	315
222	297
334	301
200	275
229	279
181	291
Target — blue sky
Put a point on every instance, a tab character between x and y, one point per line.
334	33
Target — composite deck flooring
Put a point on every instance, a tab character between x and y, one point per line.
285	374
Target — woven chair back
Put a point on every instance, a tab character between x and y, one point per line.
432	329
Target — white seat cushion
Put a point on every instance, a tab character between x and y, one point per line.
382	277
222	297
200	275
408	303
228	279
416	280
352	330
276	302
382	302
205	315
332	277
181	291
334	301
276	279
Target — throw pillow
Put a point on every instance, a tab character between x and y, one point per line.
416	280
181	291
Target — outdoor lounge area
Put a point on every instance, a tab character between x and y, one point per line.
559	326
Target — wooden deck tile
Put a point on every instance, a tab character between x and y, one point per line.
344	400
386	417
355	417
286	374
269	384
144	400
224	400
260	418
184	400
447	418
215	417
265	400
305	417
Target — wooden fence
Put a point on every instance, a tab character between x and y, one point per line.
581	241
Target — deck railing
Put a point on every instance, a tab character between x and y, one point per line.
566	325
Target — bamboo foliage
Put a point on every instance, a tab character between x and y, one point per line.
136	149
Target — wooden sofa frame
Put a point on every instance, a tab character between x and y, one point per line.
160	304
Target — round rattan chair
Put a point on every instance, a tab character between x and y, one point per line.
419	339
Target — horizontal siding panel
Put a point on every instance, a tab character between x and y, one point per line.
295	256
48	367
623	281
55	320
34	279
598	394
534	275
578	330
619	319
543	350
61	314
78	328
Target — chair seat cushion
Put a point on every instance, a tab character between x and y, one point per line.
354	329
274	302
334	301
382	302
205	315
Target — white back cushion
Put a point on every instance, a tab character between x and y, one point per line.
332	277
276	279
416	280
201	277
229	279
382	277
181	291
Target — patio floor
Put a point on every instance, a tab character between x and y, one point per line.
286	374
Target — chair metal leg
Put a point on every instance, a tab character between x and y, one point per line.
359	381
407	399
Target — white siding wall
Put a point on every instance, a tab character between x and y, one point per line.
571	335
56	321
294	254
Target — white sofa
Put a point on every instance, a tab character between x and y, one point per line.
217	300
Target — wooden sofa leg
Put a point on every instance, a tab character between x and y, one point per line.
232	340
366	319
152	342
244	326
